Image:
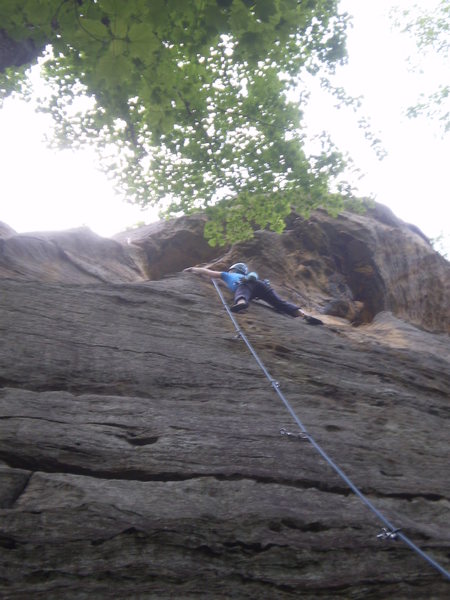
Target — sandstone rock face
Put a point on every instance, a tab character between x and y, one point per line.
140	446
356	266
170	246
77	256
6	230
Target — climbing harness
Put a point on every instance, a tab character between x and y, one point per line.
389	532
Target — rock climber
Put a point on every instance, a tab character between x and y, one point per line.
246	286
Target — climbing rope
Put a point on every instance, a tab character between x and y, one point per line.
389	532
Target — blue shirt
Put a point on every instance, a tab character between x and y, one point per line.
232	279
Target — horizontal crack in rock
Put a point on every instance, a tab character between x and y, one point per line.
48	466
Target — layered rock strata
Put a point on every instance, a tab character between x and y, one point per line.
140	445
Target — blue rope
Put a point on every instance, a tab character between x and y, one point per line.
395	532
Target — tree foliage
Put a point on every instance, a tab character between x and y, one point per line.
189	99
430	28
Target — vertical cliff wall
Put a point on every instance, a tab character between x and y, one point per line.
140	445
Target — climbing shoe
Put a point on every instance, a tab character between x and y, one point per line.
239	306
312	320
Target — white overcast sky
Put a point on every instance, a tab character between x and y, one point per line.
46	190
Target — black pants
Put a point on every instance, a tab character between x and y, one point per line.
260	289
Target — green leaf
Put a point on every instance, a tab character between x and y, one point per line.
119	28
140	32
264	9
39	12
215	19
110	6
95	29
240	17
158	14
113	69
117	47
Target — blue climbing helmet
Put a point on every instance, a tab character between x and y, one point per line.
240	268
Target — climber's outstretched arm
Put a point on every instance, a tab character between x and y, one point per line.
204	272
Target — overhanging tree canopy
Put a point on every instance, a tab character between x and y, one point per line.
430	28
190	95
